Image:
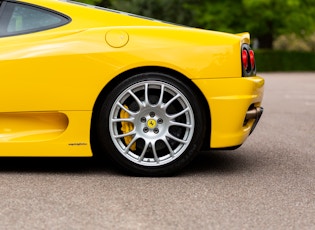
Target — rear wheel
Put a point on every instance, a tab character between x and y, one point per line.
151	124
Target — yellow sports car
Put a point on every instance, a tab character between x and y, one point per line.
77	78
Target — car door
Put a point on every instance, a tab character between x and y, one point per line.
39	113
29	57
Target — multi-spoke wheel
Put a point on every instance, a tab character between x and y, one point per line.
151	124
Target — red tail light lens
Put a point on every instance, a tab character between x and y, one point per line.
252	58
245	58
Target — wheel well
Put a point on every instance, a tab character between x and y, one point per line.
124	75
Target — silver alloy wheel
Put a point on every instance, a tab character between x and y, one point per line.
151	123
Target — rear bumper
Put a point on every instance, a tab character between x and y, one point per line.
235	108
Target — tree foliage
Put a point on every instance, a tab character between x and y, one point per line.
92	2
264	19
175	11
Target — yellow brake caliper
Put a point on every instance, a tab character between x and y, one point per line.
127	127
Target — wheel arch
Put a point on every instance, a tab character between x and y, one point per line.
108	87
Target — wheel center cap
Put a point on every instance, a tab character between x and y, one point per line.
151	123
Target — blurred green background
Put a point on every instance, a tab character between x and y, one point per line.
282	31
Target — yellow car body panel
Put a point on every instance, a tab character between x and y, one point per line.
229	99
45	134
51	79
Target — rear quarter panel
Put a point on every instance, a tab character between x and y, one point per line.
67	69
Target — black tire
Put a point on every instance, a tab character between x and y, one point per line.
151	124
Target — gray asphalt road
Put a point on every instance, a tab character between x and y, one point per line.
268	183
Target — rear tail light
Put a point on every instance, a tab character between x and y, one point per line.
245	59
248	61
252	58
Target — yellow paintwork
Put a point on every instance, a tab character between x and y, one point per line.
24	127
51	79
229	99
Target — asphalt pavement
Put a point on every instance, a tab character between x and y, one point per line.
268	183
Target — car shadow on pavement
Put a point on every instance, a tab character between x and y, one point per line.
204	163
62	165
221	162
